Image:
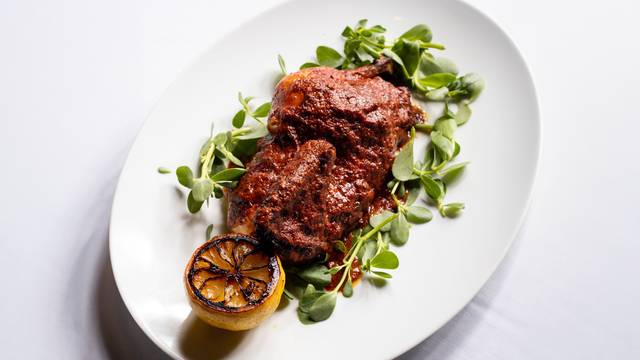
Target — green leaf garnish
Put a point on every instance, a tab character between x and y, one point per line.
377	219
382	274
399	230
207	234
464	113
228	174
322	308
328	57
283	67
437	80
418	214
262	110
202	189
453	173
452	209
185	176
443	143
316	274
238	118
193	205
385	260
308	65
347	290
402	168
419	32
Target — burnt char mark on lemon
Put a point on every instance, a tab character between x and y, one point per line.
236	274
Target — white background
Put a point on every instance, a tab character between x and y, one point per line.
78	77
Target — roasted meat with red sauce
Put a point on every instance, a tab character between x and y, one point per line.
333	137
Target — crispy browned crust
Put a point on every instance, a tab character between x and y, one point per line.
334	134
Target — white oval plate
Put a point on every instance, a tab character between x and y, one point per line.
444	263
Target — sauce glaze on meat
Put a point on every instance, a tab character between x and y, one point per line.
333	137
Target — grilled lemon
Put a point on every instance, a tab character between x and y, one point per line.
233	283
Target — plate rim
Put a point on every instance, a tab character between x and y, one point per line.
529	199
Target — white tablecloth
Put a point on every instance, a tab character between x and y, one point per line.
78	77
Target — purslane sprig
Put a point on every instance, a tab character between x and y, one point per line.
432	79
318	305
219	152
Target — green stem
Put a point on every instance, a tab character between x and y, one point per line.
422	172
431	45
258	120
395	186
427	128
204	171
369	42
440	166
359	242
441	209
241	131
398	202
379	245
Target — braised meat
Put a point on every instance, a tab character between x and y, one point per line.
333	136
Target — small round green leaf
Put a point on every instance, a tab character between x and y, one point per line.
452	210
220	139
402	168
437	94
446	65
385	260
377	219
193	205
328	57
418	32
185	176
382	274
409	52
163	170
453	173
323	307
238	119
446	127
474	85
443	144
202	189
399	230
347	289
316	274
464	113
432	188
308	298
229	174
418	214
262	110
437	80
413	191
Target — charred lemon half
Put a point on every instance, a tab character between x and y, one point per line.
233	282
